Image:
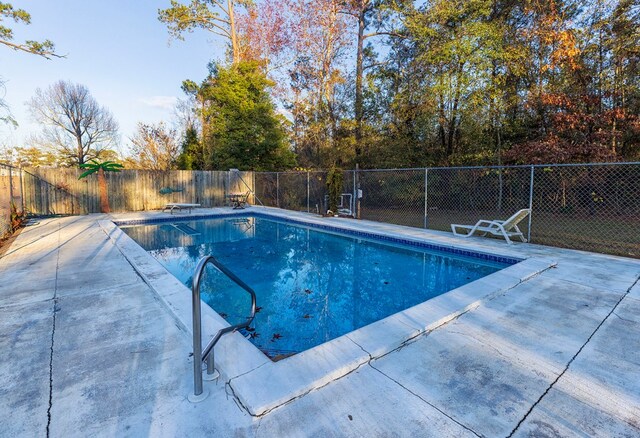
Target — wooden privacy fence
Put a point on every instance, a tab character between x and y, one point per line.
10	197
49	191
5	200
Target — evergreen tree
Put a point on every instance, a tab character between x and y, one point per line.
191	157
243	129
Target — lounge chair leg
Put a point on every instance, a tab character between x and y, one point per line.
504	233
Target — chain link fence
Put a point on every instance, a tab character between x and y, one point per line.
592	207
11	197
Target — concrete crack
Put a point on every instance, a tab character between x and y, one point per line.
291	400
258	427
361	348
420	334
247	372
624	319
239	403
235	398
402	345
430	404
573	358
53	332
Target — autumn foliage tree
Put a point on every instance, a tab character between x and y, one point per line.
575	135
155	146
447	82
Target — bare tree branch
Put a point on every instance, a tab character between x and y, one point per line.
75	125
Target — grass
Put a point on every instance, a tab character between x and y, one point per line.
617	236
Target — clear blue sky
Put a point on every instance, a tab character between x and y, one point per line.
117	48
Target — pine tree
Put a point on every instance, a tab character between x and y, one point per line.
191	157
243	129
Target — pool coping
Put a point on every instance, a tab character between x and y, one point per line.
261	385
334	229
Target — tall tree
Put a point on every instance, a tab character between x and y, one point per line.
450	82
190	121
215	16
244	130
302	45
198	96
373	17
267	33
75	125
318	82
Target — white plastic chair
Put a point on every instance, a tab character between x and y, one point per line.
507	228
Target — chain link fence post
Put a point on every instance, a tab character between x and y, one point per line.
530	203
358	189
593	207
426	181
355	196
308	194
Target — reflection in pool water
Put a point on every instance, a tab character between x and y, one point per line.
312	286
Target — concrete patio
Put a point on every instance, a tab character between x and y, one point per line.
89	349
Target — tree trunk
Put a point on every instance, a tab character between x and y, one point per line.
452	128
203	141
442	121
235	50
104	198
80	150
454	123
359	106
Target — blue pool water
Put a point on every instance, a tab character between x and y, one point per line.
311	285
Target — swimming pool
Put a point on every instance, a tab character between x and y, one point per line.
313	285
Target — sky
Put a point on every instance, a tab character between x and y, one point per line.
117	48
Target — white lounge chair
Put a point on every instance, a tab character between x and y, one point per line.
179	206
508	228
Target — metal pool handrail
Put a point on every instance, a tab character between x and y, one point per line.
200	355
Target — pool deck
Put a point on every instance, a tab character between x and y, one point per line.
89	349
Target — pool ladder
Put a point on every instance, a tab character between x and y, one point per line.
200	355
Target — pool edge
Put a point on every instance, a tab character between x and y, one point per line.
261	385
